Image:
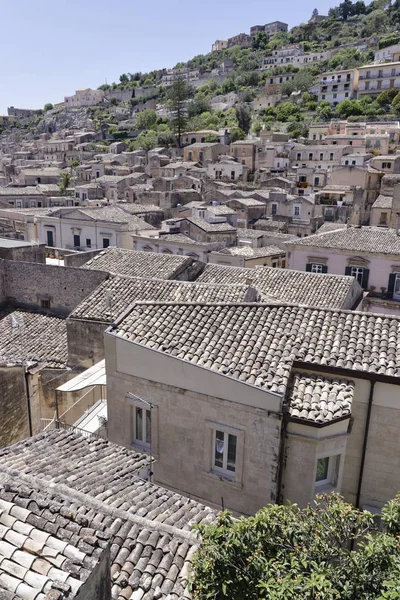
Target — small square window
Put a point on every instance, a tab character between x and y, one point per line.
327	471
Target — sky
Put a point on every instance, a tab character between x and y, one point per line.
51	48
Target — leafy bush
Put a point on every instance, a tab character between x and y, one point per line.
285	553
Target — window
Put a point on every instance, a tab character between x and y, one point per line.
323	96
331	156
50	238
327	470
316	180
224	457
88	243
296	211
232	174
142	426
316	268
77	241
321	156
45	303
358	273
386	165
310	156
106	242
201	155
298	156
39	203
274	209
383	219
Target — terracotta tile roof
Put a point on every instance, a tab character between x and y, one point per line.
86	494
357	239
126	290
318	399
297	287
33	338
132	263
257	343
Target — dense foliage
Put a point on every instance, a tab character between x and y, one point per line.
328	551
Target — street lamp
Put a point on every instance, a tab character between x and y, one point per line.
138	400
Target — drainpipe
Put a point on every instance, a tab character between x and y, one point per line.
285	420
57	424
365	442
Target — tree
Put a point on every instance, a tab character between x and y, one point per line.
147	140
243	116
315	12
260	40
237	134
211	138
146	119
65	181
73	164
386	97
124	78
47	107
198	106
177	96
288	553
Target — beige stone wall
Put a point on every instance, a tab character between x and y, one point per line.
183	421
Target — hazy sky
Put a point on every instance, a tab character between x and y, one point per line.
51	48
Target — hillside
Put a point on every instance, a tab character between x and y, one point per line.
228	88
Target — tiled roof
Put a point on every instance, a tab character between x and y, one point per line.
30	190
36	563
328	227
249	202
76	488
121	261
181	238
210	227
318	399
220	209
138	209
383	202
357	239
257	343
126	290
248	252
297	287
113	214
37	339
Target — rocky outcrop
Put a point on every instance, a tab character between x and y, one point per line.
65	119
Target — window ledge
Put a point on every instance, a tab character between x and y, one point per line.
223	479
326	488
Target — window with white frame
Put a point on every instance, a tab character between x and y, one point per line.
358	273
296	211
141	426
224	452
316	268
327	470
274	209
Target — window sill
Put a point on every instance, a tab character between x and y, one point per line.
223	479
325	488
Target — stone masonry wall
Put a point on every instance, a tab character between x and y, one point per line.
27	283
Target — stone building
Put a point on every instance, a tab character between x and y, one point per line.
256	403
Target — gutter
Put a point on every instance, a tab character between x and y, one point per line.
281	460
28	400
365	442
